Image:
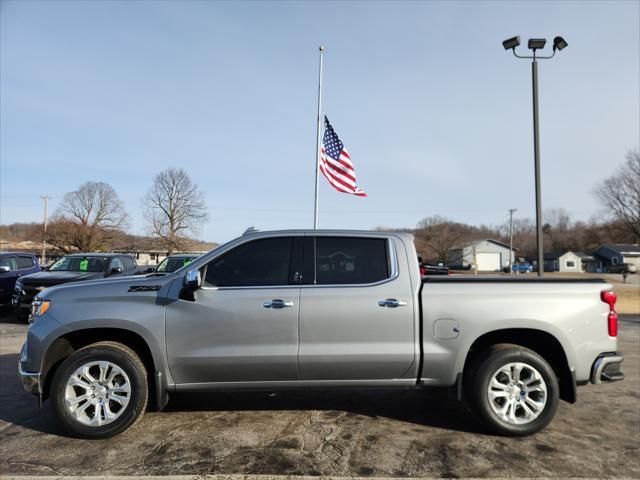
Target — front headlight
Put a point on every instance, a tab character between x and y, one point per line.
39	307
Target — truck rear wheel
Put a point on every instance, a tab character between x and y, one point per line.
513	390
99	391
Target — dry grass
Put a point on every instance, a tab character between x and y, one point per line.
628	300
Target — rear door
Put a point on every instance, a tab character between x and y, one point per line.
356	310
25	264
242	325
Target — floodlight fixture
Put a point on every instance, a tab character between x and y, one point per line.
559	43
537	43
510	43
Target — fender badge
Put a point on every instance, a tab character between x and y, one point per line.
144	288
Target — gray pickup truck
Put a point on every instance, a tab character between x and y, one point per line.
317	309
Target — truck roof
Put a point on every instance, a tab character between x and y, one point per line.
340	232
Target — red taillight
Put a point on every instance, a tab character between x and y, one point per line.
612	322
609	297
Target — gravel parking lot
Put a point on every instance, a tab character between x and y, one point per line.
345	433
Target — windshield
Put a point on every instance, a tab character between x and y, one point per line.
79	264
171	264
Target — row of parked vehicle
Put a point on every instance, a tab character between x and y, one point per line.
22	277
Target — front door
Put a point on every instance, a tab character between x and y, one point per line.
7	278
356	311
242	325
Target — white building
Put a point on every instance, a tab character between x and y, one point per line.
489	256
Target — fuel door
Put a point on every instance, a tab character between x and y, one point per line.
446	328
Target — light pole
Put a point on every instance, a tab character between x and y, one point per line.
511	212
44	236
536	44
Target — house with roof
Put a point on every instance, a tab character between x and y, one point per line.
570	262
489	255
611	257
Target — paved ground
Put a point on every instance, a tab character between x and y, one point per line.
347	433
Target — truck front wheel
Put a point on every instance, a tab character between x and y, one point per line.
99	391
513	390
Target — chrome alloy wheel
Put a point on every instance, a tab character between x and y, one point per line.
97	393
517	393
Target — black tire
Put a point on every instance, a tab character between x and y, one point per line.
479	377
127	360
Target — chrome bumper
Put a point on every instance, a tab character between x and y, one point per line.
30	380
606	368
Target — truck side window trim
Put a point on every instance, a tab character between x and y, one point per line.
392	258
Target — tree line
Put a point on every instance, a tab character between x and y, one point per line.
93	218
619	195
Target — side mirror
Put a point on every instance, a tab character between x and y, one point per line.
4	269
116	270
193	280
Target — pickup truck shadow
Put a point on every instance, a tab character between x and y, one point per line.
432	408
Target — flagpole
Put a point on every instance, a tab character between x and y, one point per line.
318	140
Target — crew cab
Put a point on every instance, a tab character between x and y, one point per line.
317	309
77	267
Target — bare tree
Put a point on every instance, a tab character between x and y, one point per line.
620	193
87	218
440	236
174	206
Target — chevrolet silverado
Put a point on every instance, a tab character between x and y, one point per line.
317	309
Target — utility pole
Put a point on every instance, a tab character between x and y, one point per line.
44	239
475	261
511	212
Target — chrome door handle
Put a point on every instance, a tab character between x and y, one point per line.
391	303
277	303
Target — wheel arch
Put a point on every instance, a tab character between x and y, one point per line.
70	342
543	343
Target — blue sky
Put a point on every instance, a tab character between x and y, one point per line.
436	115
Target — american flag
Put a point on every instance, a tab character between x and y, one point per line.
335	163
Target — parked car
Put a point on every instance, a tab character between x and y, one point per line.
434	269
174	262
522	267
14	265
304	309
70	268
622	268
426	269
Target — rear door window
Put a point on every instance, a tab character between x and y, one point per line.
24	263
351	260
129	262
